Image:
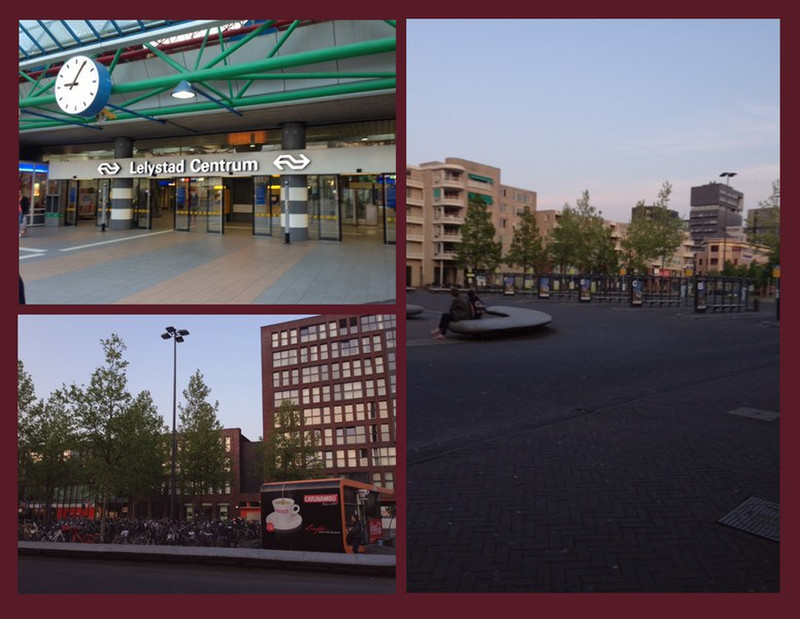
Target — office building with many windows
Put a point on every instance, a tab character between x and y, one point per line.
339	370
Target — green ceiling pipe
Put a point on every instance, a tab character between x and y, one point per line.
280	97
377	46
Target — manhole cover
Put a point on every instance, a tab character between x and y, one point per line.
754	413
757	516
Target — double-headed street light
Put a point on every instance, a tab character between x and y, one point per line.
177	336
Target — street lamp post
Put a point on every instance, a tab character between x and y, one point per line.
176	335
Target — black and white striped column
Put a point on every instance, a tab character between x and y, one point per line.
294	188
121	215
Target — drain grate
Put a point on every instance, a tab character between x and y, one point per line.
754	413
757	516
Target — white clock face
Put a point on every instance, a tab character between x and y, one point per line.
77	85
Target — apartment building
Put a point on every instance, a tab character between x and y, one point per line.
437	197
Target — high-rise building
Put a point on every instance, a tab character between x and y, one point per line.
339	370
714	208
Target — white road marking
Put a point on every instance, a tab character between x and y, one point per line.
127	238
34	252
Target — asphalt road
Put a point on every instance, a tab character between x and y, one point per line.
62	575
595	454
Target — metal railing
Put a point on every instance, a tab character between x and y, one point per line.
704	294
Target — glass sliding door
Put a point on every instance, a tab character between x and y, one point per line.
388	208
213	203
142	204
200	205
323	208
103	212
71	216
266	205
182	204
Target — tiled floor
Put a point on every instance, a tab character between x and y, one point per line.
83	265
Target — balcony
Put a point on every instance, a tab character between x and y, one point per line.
450	181
450	219
449	201
414	252
448	235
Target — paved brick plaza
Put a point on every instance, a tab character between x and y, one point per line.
596	455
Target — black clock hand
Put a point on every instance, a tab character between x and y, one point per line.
75	81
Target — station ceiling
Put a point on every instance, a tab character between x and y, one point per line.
256	74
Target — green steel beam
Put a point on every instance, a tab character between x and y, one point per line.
321	75
377	46
281	97
178	67
274	51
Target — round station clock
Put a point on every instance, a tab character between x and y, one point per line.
83	86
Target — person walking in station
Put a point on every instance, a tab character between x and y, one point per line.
24	209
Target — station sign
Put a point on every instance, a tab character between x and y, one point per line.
356	160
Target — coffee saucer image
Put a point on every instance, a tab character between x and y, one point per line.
295	522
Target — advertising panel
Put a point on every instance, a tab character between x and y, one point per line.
700	301
636	291
302	518
544	287
586	289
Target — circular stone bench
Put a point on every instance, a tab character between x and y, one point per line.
498	319
413	310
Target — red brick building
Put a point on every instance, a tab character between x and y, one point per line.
340	371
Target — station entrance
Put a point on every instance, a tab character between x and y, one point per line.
346	208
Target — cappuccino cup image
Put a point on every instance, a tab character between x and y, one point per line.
285	506
286	513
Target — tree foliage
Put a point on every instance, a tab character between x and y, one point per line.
100	410
582	240
652	235
45	439
527	247
769	224
478	249
203	462
143	469
290	451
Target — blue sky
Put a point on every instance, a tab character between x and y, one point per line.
66	349
615	107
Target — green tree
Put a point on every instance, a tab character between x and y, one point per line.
566	240
478	250
769	224
104	436
653	235
527	247
26	398
203	462
290	451
45	441
582	240
142	466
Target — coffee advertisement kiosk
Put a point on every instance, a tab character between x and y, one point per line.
314	515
